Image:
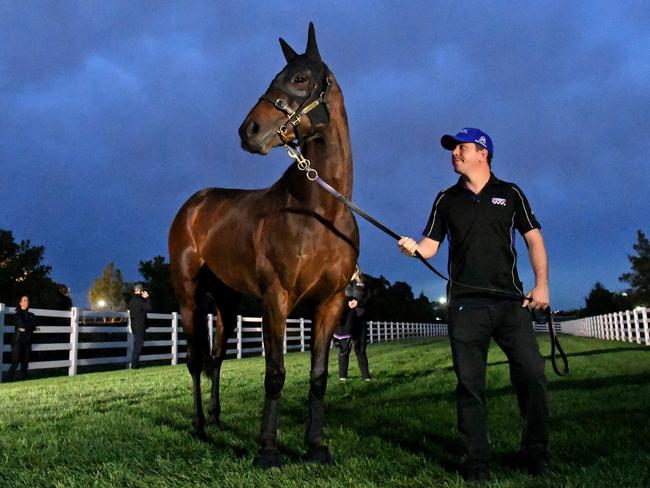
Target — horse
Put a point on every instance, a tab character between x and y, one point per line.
288	244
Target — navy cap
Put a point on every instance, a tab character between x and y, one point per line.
468	134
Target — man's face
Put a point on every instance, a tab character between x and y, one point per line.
466	157
24	303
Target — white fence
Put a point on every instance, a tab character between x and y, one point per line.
392	331
630	326
83	326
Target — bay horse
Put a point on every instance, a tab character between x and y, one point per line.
287	244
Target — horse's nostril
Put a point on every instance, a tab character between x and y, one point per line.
252	129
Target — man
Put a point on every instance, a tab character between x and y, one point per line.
138	308
479	215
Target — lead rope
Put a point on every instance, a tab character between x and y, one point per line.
312	175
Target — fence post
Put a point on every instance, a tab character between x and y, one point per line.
74	340
601	332
240	336
622	324
174	338
262	335
2	338
129	341
636	326
644	318
370	330
302	334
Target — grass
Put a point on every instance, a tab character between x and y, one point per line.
132	428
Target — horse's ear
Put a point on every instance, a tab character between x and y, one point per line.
288	52
312	47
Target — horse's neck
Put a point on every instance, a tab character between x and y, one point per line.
331	155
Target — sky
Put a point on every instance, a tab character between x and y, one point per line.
113	113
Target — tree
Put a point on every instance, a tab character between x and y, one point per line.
601	301
22	273
395	302
639	277
106	292
158	281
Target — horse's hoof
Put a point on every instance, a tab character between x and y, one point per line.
320	455
267	458
200	435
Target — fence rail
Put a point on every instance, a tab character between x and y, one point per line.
629	325
87	330
100	333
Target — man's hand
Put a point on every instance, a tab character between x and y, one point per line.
408	246
538	298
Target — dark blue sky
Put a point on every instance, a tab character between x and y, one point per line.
114	113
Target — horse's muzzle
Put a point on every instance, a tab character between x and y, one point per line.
253	139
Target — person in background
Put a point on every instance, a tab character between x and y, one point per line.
352	329
21	342
139	306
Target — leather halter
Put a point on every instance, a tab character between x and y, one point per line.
294	117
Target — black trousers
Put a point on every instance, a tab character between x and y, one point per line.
20	351
345	346
138	343
470	331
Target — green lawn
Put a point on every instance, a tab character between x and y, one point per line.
132	428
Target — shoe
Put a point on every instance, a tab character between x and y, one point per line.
343	379
535	460
366	379
476	473
538	466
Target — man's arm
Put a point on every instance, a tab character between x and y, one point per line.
427	247
539	262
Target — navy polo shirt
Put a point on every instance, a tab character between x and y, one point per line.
481	233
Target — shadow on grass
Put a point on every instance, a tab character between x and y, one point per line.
593	352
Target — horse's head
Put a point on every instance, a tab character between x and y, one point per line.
293	106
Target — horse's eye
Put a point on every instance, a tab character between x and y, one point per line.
299	79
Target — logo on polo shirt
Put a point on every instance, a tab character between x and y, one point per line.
499	201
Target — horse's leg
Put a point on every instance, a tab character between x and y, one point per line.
325	319
227	301
274	324
195	329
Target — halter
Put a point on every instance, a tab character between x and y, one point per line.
294	117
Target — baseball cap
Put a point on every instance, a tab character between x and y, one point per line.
468	134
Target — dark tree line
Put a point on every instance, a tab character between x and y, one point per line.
22	273
601	300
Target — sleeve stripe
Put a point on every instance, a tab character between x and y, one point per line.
523	204
433	220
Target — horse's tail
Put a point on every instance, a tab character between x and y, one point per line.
201	345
